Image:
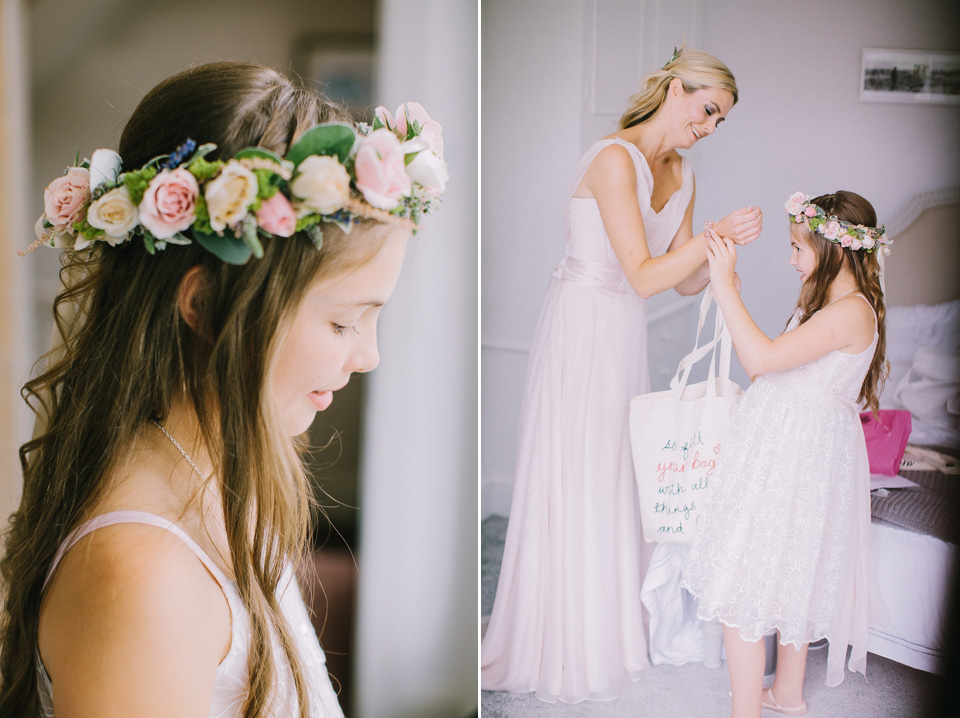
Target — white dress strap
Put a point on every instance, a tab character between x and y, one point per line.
854	293
595	149
135	517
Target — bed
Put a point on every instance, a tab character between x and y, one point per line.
915	530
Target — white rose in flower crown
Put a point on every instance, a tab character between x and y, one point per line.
429	171
230	195
114	213
867	242
321	183
794	205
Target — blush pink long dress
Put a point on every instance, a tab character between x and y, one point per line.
567	622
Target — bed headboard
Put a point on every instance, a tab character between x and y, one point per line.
924	266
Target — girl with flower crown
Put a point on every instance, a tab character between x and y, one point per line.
783	543
567	622
222	281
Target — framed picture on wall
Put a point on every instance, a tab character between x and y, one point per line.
910	76
340	66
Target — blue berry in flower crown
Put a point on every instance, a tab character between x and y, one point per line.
391	171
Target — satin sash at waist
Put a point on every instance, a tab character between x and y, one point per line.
592	274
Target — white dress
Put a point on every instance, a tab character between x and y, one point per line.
567	621
232	683
783	543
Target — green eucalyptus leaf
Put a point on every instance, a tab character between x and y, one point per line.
202	151
333	139
227	247
260	153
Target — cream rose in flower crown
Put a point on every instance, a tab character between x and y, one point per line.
392	171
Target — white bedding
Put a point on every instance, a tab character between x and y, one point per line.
912	574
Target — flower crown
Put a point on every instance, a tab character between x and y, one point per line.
392	171
852	236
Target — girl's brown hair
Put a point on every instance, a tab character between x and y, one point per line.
830	258
128	355
696	69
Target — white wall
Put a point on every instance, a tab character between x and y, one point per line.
417	638
799	125
14	192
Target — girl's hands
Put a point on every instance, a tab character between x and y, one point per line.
722	258
742	226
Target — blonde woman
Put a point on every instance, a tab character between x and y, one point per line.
221	302
567	621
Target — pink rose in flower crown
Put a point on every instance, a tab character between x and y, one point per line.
430	130
169	204
846	240
794	205
276	216
65	198
856	244
380	169
831	230
810	211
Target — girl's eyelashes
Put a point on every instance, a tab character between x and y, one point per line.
341	330
709	110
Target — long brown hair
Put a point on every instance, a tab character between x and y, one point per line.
129	355
830	258
696	69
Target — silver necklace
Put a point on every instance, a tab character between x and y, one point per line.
179	448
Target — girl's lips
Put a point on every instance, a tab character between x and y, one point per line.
321	399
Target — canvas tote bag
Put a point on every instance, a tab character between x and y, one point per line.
678	438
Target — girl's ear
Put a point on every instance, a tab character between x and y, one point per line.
676	87
192	287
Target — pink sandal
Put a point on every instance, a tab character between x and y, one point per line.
768	701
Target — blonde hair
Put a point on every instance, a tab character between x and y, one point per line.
696	70
865	267
129	355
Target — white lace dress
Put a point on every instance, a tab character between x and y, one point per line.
783	543
567	622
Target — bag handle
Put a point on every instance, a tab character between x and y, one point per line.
721	338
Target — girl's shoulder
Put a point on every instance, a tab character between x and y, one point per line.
852	319
127	603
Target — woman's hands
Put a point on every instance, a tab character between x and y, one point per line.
722	259
742	226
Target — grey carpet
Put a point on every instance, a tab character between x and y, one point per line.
890	690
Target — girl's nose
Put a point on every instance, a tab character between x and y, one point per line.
367	356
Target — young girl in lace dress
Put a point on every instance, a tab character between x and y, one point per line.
223	277
783	542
